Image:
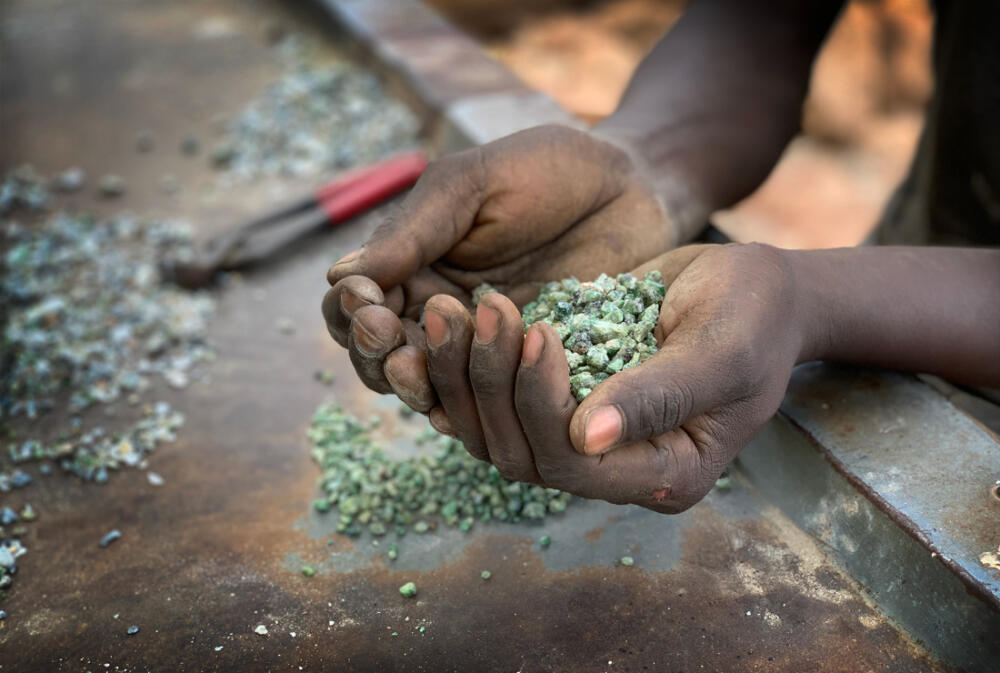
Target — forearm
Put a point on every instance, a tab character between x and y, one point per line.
932	310
712	106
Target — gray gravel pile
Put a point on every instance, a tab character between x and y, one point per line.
87	321
23	188
84	321
86	317
315	119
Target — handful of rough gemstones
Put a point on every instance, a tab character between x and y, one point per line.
605	325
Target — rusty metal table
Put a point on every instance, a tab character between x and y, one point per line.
733	584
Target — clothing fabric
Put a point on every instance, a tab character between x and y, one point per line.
952	193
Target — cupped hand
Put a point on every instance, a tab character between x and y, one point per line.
657	435
545	203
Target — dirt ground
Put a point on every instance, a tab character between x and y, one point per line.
861	121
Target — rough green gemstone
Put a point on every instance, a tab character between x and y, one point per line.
321	505
409	590
597	357
627	561
606	325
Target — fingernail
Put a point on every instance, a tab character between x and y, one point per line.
532	350
350	302
436	327
487	324
348	257
366	342
604	427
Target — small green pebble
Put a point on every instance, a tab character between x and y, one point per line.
422	629
597	320
324	377
308	571
486	574
111	186
393	552
545	541
190	145
627	561
479	292
724	482
321	505
409	589
223	155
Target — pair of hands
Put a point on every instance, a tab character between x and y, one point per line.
542	205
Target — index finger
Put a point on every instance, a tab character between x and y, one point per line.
435	215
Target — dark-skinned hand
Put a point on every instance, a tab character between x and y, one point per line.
657	435
545	203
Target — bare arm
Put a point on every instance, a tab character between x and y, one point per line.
933	310
713	105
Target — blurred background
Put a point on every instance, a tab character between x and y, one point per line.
861	122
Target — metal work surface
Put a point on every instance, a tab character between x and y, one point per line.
929	465
216	551
908	508
907	581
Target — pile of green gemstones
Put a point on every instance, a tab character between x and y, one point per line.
373	492
605	325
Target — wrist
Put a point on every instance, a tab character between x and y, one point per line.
815	317
683	199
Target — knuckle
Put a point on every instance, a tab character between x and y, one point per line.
710	470
368	369
553	474
655	409
742	363
475	448
461	173
513	469
487	388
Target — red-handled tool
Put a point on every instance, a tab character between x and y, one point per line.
339	200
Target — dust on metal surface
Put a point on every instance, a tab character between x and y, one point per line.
926	463
206	555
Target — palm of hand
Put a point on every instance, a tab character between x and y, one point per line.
724	359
